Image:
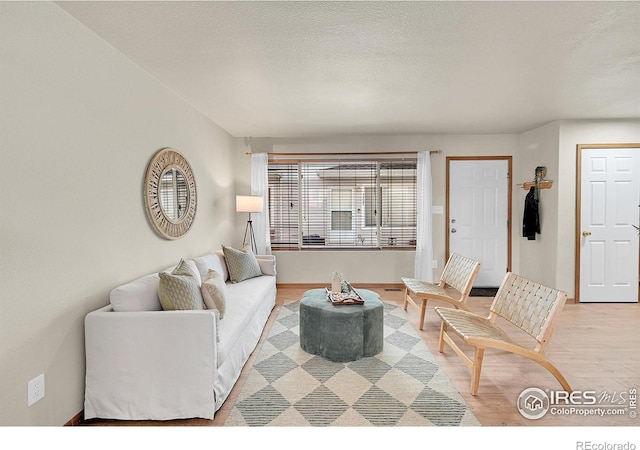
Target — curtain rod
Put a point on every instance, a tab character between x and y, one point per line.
344	153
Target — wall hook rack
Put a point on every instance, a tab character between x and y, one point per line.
543	184
539	181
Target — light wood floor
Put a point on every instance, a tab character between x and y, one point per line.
595	346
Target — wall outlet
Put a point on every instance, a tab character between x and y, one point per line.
35	389
434	263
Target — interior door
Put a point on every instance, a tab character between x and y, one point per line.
478	215
608	242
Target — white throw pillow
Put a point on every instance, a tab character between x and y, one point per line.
214	292
212	261
267	264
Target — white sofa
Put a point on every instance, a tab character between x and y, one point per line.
146	363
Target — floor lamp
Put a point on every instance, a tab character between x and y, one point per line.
249	204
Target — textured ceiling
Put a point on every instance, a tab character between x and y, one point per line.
284	69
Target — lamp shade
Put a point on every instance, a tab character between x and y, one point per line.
249	203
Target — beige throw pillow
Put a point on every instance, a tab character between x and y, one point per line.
214	292
179	290
242	264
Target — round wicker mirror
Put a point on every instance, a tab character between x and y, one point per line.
170	193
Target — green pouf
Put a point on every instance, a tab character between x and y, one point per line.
341	333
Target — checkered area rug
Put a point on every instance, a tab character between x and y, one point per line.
401	386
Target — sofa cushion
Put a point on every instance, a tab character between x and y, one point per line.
242	264
214	292
267	264
180	290
244	301
137	295
214	261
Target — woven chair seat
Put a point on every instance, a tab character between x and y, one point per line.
466	324
458	275
424	288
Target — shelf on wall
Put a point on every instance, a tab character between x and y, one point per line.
544	184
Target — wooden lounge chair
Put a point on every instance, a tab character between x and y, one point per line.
459	274
530	306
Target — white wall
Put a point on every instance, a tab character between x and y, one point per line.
79	123
386	266
537	259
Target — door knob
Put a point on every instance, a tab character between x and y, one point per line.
453	230
586	233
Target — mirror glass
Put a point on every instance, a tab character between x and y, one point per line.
173	193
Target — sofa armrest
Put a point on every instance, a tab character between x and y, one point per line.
150	364
267	264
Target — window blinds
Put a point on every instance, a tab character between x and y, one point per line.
342	204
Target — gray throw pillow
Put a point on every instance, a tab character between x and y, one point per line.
214	292
179	290
242	264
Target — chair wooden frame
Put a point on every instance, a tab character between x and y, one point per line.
459	273
530	306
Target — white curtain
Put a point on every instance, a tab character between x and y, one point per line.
424	239
260	186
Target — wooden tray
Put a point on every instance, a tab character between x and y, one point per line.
339	298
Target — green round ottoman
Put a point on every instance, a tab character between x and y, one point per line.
341	333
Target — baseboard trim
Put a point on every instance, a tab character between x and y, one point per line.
78	419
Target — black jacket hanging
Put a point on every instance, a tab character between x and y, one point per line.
531	218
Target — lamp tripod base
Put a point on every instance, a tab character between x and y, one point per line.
248	230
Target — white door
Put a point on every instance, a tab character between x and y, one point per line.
478	214
610	194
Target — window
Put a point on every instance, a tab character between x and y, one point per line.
342	204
